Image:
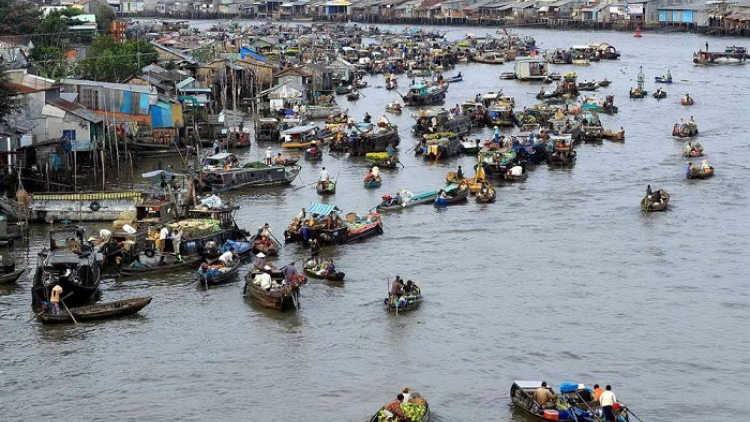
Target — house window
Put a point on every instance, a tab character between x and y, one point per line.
70	134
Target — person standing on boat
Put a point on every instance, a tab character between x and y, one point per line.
163	235
261	262
325	178
265	230
216	146
55	299
315	249
269	154
290	273
497	135
460	173
177	240
227	258
598	390
649	194
397	288
608	400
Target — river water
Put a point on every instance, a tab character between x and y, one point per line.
564	278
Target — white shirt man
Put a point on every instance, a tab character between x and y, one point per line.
263	280
516	171
227	257
268	154
105	235
607	398
324	175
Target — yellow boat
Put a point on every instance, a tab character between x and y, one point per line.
475	183
300	137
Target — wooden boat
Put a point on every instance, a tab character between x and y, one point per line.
687	100
383	160
487	196
638	93
388	203
343	90
688	130
604	83
699	173
11	277
613	136
454	79
371	182
325	189
394	109
279	297
510	178
268	250
471	147
352	96
360	84
422	95
320	271
206	277
216	177
186	263
69	262
424	411
407	302
730	56
659	94
286	161
692	149
453	195
663	79
108	310
650	206
522	396
313	154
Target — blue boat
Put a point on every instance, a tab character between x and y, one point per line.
453	195
662	80
457	78
390	204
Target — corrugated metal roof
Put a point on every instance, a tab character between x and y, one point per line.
76	110
322	209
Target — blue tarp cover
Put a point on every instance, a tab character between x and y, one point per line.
567	387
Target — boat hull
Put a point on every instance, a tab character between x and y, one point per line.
12	277
187	263
662	205
281	299
116	309
223	278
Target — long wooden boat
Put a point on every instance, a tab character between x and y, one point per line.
422	95
329	189
699	173
521	395
218	178
650	206
459	196
208	278
11	277
186	263
320	272
380	416
108	310
688	130
421	198
281	298
407	302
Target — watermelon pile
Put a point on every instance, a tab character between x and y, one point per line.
415	412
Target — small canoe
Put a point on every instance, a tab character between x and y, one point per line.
394	110
419	411
613	136
407	302
268	250
287	161
281	297
215	277
659	95
320	272
604	83
373	183
454	196
510	178
662	80
470	147
699	173
651	206
316	155
11	277
352	96
687	101
454	79
487	196
422	198
361	84
343	90
186	263
327	189
115	309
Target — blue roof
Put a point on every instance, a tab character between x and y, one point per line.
322	209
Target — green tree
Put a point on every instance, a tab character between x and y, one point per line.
104	17
8	100
18	17
110	61
50	62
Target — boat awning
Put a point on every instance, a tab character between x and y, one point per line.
528	384
322	209
298	129
220	156
159	173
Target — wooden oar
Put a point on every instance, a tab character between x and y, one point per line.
588	407
69	313
36	315
627	409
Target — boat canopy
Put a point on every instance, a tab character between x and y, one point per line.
159	173
220	156
298	129
528	384
569	387
322	209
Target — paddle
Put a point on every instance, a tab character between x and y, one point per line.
69	313
631	412
588	407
